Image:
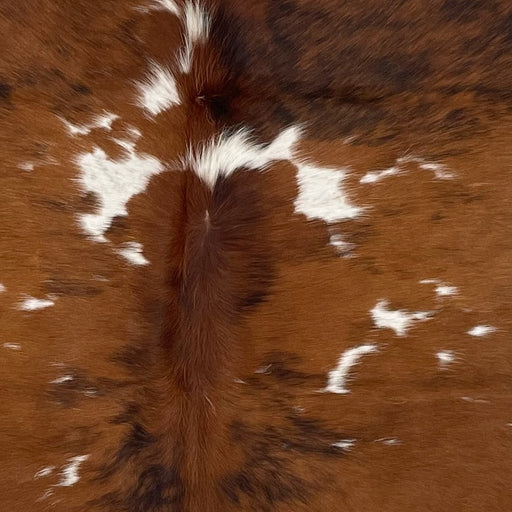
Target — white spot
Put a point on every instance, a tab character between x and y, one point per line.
2	288
134	132
440	171
61	380
321	195
223	155
397	320
375	176
342	248
337	378
481	330
132	251
445	290
197	25
474	400
165	5
389	441
344	444
48	470
104	121
33	304
429	281
239	381
69	474
264	369
128	145
158	91
26	166
114	182
76	129
445	357
12	346
442	289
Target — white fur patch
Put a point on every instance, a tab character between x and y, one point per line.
104	121
442	289
440	170
132	252
61	380
337	378
321	195
69	474
342	247
397	320
445	290
389	441
165	5
445	357
481	330
344	444
375	176
115	182
2	288
32	304
12	346
26	166
48	470
223	155
158	91
196	24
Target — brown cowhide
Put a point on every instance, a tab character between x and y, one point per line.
255	256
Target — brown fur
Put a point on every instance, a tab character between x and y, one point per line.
196	378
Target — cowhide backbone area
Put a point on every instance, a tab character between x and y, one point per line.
255	256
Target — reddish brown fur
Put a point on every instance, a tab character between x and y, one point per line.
196	378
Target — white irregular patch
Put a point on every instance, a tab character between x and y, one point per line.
12	346
481	330
445	290
69	474
48	470
2	288
165	5
264	369
337	378
440	170
389	441
321	195
104	121
375	176
397	320
344	444
223	155
445	357
61	380
115	182
26	166
32	304
158	91
342	247
196	24
474	400
442	289
132	252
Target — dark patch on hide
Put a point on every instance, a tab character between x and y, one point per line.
157	489
268	475
5	91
